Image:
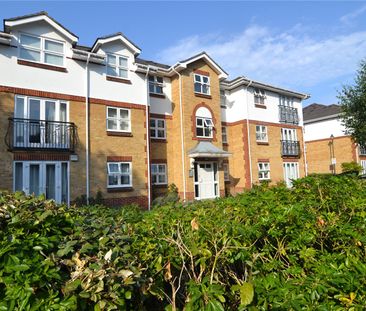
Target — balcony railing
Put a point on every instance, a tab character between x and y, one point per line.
362	150
288	115
40	134
290	148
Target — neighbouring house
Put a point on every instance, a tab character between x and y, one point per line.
327	142
81	119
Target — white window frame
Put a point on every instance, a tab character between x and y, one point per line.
264	167
155	128
288	179
224	134
157	173
259	96
286	101
118	119
225	167
206	123
202	83
261	133
288	134
363	165
119	174
155	84
42	50
223	99
117	66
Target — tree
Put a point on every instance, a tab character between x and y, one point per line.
352	99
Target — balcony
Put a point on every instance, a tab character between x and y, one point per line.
288	115
25	134
290	148
362	149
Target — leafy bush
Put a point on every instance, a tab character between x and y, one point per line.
269	248
351	167
171	197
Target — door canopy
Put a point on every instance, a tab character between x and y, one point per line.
205	149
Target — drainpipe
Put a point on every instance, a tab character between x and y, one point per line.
182	133
248	133
148	140
87	128
304	146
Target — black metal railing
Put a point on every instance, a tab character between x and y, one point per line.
288	115
290	148
362	150
40	134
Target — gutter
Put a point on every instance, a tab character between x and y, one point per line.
248	133
148	140
87	90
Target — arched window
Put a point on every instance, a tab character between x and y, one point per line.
204	124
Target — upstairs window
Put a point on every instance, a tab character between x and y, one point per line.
156	85
157	128
119	174
222	99
261	133
42	50
224	134
286	101
201	84
117	66
204	127
118	119
259	96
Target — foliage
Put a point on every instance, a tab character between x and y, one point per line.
269	248
351	167
171	197
353	102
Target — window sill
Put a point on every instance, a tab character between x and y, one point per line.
263	143
157	95
203	138
260	106
119	189
41	65
203	95
157	140
160	185
119	80
121	134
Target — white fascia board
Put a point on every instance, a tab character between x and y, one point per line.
333	116
45	18
131	46
222	74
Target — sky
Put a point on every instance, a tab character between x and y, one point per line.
307	46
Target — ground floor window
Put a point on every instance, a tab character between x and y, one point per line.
48	178
263	171
226	171
363	164
119	174
290	172
159	174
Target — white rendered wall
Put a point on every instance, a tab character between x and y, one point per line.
323	129
163	105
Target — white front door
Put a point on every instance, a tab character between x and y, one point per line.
48	178
206	180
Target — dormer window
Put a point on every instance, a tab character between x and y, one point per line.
41	50
201	84
259	96
117	66
156	85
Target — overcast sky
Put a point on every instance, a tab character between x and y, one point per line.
311	47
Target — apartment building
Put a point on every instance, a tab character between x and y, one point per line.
77	120
327	143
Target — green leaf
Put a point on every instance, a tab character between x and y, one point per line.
246	293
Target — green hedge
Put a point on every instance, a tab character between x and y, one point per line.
269	248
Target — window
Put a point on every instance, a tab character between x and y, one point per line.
118	119
286	101
42	50
119	174
259	96
201	84
222	99
204	127
363	164
156	85
290	172
226	171
157	128
261	133
224	134
117	66
263	171
158	174
288	134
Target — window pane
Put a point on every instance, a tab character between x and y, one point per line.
161	168
204	89
111	59
30	41
112	180
197	78
30	55
125	179
154	168
199	131
113	167
158	89
159	79
111	71
64	183
152	133
207	132
197	87
53	59
199	122
18	177
123	73
112	112
19	107
161	179
111	124
151	78
161	123
54	46
205	79
151	88
125	168
160	133
124	125
63	112
123	62
124	114
154	179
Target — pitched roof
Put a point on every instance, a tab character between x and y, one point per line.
207	149
9	21
317	111
116	35
152	63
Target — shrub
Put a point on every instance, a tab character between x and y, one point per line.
351	167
